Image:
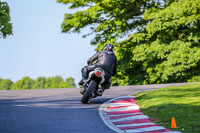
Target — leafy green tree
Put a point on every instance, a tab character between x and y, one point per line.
5	84
1	80
71	82
24	83
40	83
108	19
167	50
48	83
64	84
159	39
5	24
56	81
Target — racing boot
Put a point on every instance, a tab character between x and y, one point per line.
83	80
82	91
81	83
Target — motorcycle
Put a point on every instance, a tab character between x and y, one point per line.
91	88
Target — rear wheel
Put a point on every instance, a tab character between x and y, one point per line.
88	91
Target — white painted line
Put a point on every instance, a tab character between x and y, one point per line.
145	129
125	97
121	104
130	118
172	132
125	114
106	119
125	108
134	125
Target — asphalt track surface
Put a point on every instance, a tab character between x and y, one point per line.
58	110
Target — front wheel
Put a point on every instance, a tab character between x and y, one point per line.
88	91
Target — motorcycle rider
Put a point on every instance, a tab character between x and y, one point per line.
105	59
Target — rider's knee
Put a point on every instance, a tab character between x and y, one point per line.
84	72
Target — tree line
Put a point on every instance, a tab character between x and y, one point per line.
39	83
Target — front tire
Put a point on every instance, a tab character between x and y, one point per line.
88	92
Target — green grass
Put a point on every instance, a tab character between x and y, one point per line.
181	102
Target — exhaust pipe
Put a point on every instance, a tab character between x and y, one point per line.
100	92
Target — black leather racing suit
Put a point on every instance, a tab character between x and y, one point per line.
105	59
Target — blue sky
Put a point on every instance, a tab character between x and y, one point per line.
37	46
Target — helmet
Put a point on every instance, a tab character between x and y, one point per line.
109	47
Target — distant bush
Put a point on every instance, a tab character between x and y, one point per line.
194	79
39	83
5	84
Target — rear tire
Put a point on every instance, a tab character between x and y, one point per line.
88	92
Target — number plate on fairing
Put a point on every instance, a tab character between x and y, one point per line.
98	73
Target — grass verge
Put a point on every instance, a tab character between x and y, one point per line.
181	102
